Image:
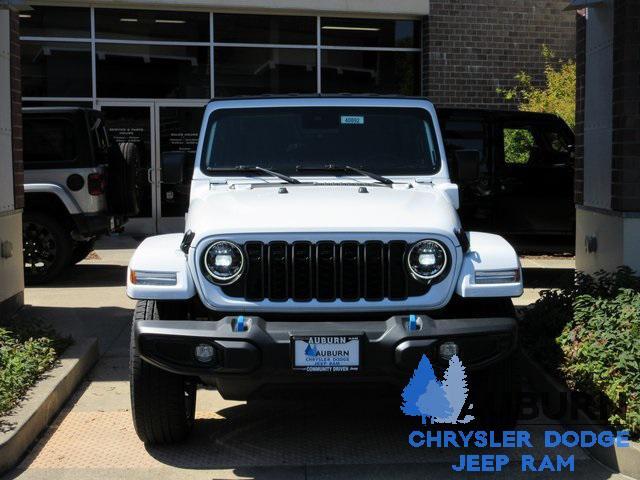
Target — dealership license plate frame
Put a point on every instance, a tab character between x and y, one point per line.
342	368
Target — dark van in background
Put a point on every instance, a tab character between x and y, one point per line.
78	186
525	186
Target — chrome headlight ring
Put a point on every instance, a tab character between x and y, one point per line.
427	260
223	262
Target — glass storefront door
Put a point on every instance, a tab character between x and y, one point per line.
130	126
145	130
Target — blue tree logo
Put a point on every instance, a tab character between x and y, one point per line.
311	350
440	402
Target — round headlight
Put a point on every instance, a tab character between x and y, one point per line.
224	261
427	259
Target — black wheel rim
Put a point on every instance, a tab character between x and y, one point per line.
40	249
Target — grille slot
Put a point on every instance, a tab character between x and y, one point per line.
349	271
302	271
374	271
397	280
277	271
325	271
254	283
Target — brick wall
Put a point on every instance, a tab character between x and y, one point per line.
16	113
473	47
625	184
581	47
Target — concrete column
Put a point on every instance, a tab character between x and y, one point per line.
608	209
11	189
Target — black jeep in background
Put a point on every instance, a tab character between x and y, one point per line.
78	186
525	187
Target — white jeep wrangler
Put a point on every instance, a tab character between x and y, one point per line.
323	247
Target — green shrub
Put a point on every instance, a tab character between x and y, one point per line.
27	350
589	336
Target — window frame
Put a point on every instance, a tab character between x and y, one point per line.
318	46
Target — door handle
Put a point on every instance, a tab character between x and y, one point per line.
150	175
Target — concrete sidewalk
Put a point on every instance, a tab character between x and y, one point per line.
316	437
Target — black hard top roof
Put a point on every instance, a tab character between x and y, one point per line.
317	95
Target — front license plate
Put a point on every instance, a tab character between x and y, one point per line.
326	353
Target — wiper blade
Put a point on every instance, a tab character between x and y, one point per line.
247	168
346	168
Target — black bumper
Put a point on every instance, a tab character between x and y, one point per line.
90	224
261	355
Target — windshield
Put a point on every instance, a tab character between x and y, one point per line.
382	140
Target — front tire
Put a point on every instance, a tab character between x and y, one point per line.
162	403
497	393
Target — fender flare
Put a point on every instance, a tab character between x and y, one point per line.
161	254
488	253
67	200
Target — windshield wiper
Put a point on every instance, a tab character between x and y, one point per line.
248	168
346	168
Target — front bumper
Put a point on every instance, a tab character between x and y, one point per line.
260	356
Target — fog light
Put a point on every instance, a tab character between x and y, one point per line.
448	350
205	352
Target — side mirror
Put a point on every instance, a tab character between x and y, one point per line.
173	167
468	165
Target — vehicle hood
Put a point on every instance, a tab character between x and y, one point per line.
321	208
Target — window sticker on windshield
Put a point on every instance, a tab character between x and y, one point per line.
351	120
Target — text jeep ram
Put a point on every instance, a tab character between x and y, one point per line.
322	246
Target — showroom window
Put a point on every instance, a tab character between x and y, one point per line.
358	32
152	71
367	71
55	52
259	54
370	56
260	70
278	29
155	25
56	69
72	54
152	54
56	22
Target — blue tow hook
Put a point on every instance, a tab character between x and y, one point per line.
240	325
413	323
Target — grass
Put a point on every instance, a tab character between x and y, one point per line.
28	349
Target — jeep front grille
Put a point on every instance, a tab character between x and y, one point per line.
325	271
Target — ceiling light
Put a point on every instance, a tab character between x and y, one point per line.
160	20
361	29
129	20
25	15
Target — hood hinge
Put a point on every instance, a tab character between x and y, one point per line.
186	241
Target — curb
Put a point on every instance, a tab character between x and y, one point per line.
623	460
44	401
